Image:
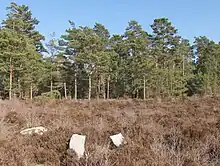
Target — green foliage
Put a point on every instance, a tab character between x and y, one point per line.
52	95
47	96
208	65
20	43
173	59
88	61
14	49
19	18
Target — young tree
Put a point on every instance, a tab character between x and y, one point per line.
52	51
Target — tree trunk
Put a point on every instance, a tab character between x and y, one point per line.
117	92
19	84
51	85
98	88
19	88
103	86
75	87
90	87
158	81
51	78
169	81
172	77
144	88
14	95
10	79
65	94
216	79
183	66
31	92
132	85
137	96
108	88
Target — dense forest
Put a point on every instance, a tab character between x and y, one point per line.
89	62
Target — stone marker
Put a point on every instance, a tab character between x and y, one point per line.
37	130
117	139
77	143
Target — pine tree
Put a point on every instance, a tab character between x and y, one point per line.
164	42
20	21
19	18
13	52
137	45
104	60
118	74
32	72
208	62
88	62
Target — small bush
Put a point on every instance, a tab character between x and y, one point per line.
45	97
52	95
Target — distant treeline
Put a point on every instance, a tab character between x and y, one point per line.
88	62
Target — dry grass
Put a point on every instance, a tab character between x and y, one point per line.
179	133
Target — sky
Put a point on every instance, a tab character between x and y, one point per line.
191	17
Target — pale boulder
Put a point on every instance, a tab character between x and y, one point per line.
117	139
34	130
77	143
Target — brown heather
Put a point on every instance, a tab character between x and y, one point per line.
178	133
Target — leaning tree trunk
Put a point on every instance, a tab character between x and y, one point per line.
10	79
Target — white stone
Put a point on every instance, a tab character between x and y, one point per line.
117	139
77	143
37	130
